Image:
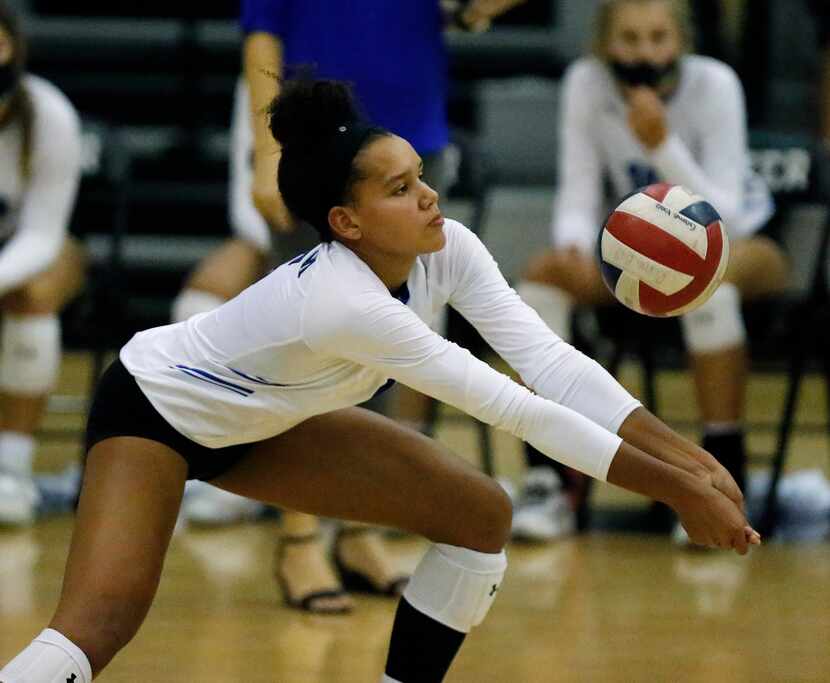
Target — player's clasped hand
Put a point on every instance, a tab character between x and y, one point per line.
713	519
647	116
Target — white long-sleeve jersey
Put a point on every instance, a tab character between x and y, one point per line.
35	211
322	332
706	149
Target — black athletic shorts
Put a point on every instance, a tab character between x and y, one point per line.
120	408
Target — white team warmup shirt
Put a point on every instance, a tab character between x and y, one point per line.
35	213
322	332
706	149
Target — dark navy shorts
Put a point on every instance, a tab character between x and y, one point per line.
120	408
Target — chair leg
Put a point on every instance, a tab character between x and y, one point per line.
616	359
649	379
485	448
431	417
768	520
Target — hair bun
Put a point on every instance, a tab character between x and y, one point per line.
308	112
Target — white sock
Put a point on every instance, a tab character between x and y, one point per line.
16	451
553	305
189	302
49	658
389	679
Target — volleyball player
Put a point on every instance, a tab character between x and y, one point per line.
255	396
642	109
41	268
280	34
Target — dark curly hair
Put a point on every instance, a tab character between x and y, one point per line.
20	103
321	131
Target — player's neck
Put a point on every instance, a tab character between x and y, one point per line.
392	269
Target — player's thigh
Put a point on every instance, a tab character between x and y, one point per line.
757	266
571	270
355	464
230	268
129	502
50	290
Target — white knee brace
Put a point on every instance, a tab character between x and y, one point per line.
189	302
456	586
553	305
30	354
718	324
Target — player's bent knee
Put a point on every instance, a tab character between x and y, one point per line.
456	586
718	324
487	529
543	267
30	353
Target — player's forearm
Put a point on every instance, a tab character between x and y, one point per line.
263	65
637	471
652	436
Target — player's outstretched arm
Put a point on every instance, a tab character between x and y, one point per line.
651	435
709	517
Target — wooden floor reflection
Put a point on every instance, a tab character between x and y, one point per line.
595	608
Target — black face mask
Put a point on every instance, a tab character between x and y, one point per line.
643	73
9	77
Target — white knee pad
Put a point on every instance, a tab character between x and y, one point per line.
30	354
189	302
553	305
456	586
718	324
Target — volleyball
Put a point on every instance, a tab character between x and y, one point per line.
663	251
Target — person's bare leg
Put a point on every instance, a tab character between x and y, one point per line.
757	267
30	357
230	268
379	473
129	501
382	473
361	549
46	294
303	565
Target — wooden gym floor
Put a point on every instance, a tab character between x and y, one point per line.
601	607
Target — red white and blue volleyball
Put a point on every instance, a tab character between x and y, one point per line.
663	251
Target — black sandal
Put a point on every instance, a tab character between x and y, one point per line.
357	582
311	601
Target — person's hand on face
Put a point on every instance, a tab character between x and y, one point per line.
647	116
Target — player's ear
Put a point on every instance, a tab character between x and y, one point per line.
343	223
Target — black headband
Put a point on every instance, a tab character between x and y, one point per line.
346	141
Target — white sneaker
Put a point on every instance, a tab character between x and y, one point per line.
19	499
210	506
543	512
680	538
